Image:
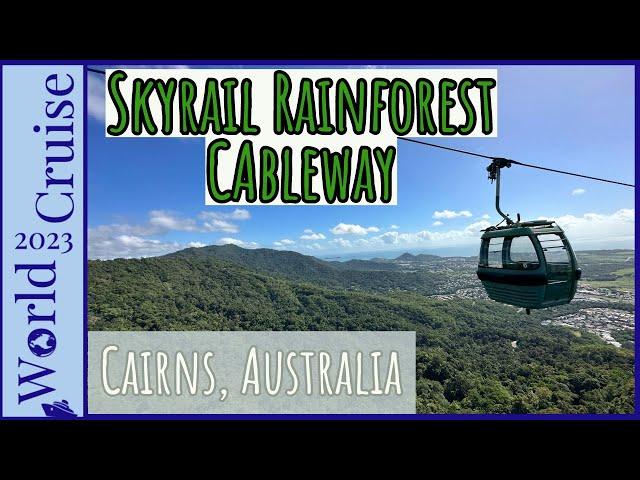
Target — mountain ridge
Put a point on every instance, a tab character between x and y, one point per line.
465	359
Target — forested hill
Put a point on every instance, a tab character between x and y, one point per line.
353	274
286	263
421	257
472	355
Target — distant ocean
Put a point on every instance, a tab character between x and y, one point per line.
460	251
464	251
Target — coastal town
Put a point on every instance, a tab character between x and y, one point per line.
603	304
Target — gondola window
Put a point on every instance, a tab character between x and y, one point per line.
522	252
554	249
495	253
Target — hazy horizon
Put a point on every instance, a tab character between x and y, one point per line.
369	255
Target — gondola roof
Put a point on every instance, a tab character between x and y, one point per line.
536	227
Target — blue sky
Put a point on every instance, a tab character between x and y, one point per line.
146	196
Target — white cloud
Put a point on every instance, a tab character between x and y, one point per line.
220	226
394	227
592	230
285	242
237	242
578	191
314	246
437	223
478	226
597	228
396	238
95	96
196	244
240	214
341	242
162	221
310	235
219	221
133	240
105	243
125	229
352	229
165	221
448	214
424	238
486	216
361	243
237	214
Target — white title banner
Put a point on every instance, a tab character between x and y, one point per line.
301	136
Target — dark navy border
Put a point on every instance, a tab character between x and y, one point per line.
337	63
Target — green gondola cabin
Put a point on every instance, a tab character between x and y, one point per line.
528	264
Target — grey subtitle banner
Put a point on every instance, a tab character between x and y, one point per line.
252	372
